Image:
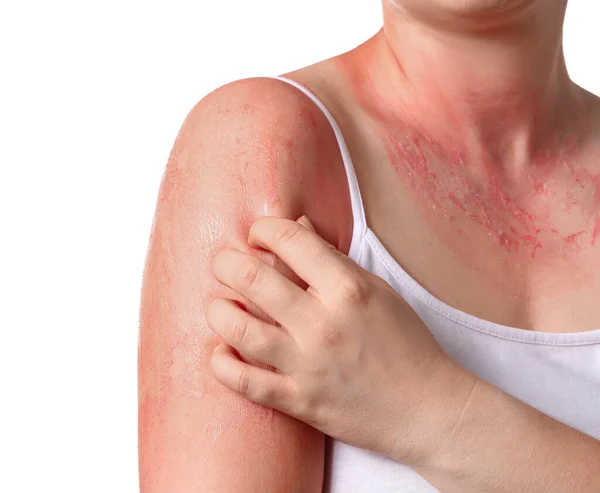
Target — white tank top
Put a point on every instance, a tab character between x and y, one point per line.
557	373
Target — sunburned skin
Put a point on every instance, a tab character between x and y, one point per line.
262	148
596	232
180	356
540	204
239	156
519	217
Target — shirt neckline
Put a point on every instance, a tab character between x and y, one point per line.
467	320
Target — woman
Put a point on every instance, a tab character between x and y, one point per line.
451	156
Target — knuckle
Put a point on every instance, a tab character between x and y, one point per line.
287	233
239	331
332	337
267	395
248	274
333	248
298	402
243	383
354	291
309	407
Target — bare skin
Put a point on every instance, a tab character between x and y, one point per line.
496	185
495	182
251	148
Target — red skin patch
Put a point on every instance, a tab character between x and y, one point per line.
531	212
517	218
596	232
192	429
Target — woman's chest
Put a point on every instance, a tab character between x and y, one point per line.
500	251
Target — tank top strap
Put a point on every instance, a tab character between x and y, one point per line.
359	225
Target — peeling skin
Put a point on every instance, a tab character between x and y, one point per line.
520	217
501	170
486	155
232	163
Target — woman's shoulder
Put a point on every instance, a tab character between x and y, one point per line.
246	150
272	141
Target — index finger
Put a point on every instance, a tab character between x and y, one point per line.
313	259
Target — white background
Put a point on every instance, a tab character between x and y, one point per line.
91	98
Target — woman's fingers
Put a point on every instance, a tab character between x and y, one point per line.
251	336
265	286
257	384
314	260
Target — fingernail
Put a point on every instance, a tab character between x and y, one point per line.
306	222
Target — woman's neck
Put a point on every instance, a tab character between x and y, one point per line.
494	87
481	121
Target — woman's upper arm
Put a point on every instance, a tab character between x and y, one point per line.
248	149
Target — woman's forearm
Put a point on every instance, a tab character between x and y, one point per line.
502	445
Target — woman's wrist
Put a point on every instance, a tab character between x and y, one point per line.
500	444
438	417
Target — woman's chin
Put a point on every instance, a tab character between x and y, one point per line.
483	9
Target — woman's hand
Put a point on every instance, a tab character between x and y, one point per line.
351	357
